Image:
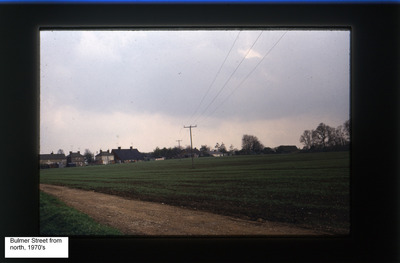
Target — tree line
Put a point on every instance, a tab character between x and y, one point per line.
326	138
252	145
323	138
179	152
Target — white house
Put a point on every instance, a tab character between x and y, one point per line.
105	157
216	153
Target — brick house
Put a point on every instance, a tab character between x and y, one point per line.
127	155
75	159
104	157
52	160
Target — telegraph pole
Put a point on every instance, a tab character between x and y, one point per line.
191	144
179	143
179	146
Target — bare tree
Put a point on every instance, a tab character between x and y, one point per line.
332	135
307	139
321	135
324	137
346	130
232	149
340	136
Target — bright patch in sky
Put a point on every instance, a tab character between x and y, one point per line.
104	89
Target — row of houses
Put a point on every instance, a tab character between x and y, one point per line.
77	159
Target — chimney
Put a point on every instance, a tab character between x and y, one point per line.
70	152
119	147
79	152
101	151
131	147
108	150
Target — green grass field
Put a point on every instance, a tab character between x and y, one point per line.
58	219
308	189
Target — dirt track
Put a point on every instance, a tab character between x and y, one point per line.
146	218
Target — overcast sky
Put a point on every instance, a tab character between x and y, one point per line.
104	89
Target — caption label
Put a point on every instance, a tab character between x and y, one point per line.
36	247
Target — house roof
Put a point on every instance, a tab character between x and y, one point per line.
127	154
51	156
287	148
74	155
105	153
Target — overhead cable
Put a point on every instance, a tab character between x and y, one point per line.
216	75
219	92
248	75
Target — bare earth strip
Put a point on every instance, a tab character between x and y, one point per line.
133	217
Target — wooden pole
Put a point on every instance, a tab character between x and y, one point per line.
191	144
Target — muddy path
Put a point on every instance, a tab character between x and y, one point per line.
133	217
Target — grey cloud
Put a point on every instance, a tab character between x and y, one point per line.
170	72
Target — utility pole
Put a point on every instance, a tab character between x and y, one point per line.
179	143
179	146
191	144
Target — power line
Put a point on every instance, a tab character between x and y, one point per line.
247	76
230	76
216	75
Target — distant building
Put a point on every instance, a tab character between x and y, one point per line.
104	157
52	160
216	153
286	149
187	153
127	155
75	159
